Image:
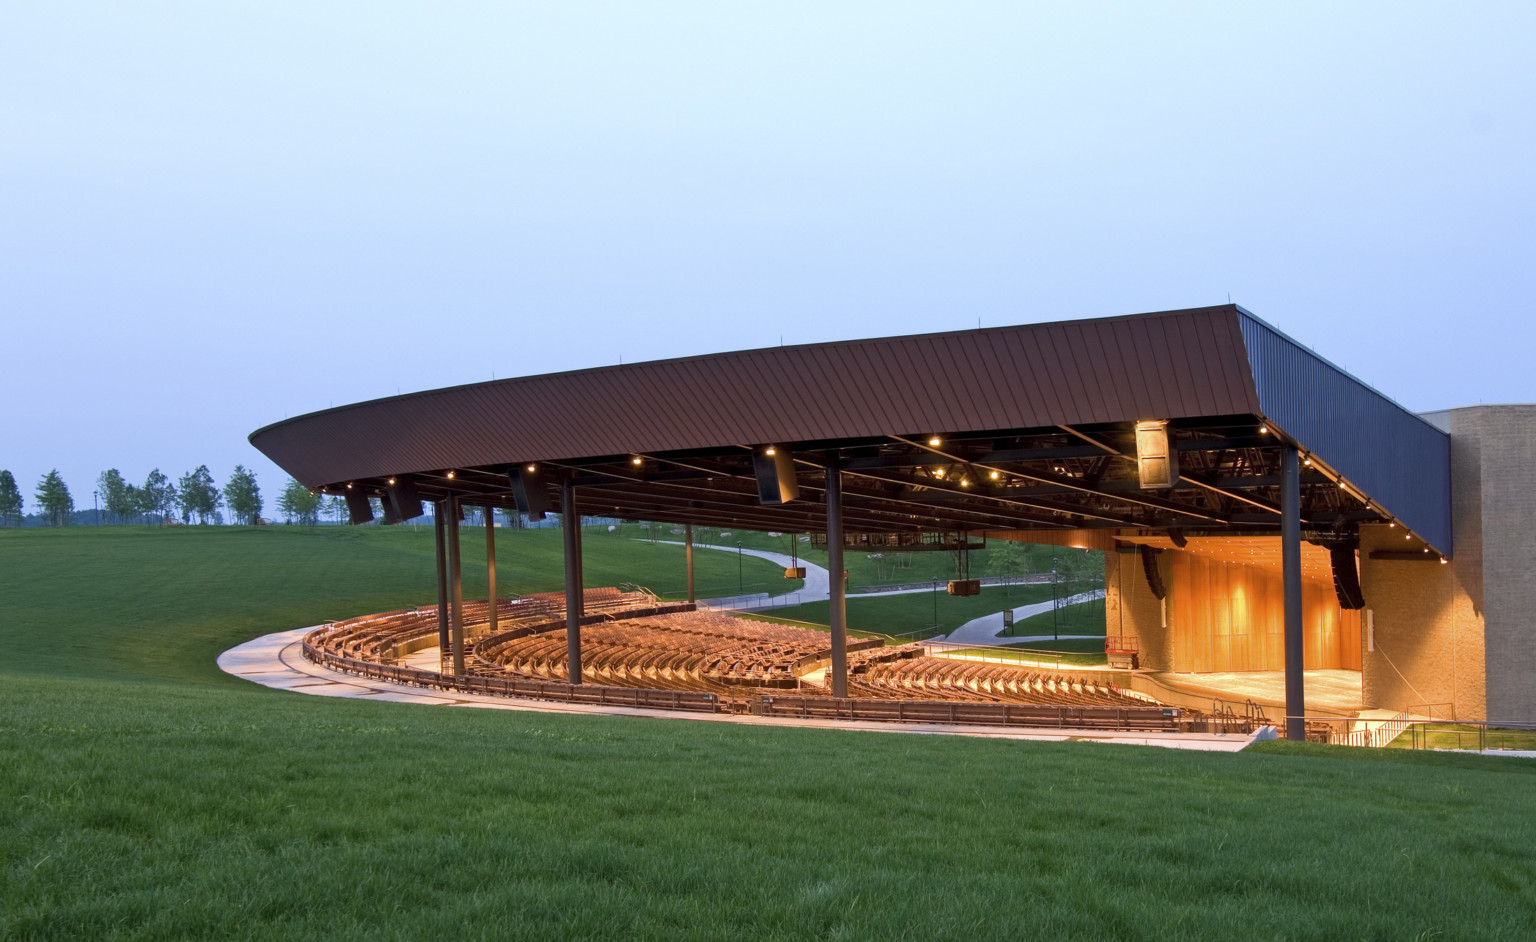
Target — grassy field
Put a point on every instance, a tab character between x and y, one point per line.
1084	618
911	615
145	795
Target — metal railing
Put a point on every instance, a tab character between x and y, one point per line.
958	651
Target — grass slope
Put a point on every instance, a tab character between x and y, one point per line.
144	795
912	614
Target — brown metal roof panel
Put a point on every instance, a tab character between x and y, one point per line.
964	381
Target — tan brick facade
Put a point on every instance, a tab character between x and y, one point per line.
1428	638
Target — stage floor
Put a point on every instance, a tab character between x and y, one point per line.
1327	691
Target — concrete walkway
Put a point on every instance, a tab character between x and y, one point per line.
818	587
276	661
984	630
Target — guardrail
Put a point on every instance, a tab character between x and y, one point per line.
978	713
518	687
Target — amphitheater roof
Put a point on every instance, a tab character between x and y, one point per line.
1035	425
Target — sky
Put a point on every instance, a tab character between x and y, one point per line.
217	216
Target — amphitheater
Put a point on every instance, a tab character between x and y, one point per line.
641	652
1279	539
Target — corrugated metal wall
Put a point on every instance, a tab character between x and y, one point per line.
1397	459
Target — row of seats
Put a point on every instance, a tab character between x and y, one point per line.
376	637
944	678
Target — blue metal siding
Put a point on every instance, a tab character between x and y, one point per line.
1397	459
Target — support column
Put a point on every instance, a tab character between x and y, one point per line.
570	525
688	544
1290	564
456	587
439	521
838	597
490	564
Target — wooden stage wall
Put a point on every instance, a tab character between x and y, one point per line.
1230	617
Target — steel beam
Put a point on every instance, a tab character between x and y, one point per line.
439	521
490	564
456	584
1290	565
837	587
570	526
688	543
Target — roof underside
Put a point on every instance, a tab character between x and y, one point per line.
1035	426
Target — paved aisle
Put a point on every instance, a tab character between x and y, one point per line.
275	661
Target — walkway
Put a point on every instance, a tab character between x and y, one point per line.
984	630
276	661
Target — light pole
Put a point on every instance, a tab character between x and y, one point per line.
741	586
96	505
1055	627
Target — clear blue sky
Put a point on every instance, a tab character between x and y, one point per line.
213	216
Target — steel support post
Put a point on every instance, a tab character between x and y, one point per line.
570	525
837	588
456	587
439	518
1290	564
688	545
490	565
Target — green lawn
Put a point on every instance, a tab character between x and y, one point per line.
144	795
1084	618
911	615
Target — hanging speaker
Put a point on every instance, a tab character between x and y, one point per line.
402	500
1346	577
775	469
1154	575
358	508
390	516
1157	463
530	491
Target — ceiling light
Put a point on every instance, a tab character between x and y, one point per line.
1308	462
349	485
636	460
965	482
1263	430
391	480
450	475
938	472
934	441
769	451
994	475
532	468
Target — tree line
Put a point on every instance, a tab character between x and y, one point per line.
194	498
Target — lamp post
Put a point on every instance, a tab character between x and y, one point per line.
741	586
96	506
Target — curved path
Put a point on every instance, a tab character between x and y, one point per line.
818	586
276	660
984	630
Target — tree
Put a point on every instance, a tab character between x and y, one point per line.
53	499
158	495
298	501
115	494
198	495
10	499
1007	558
242	496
